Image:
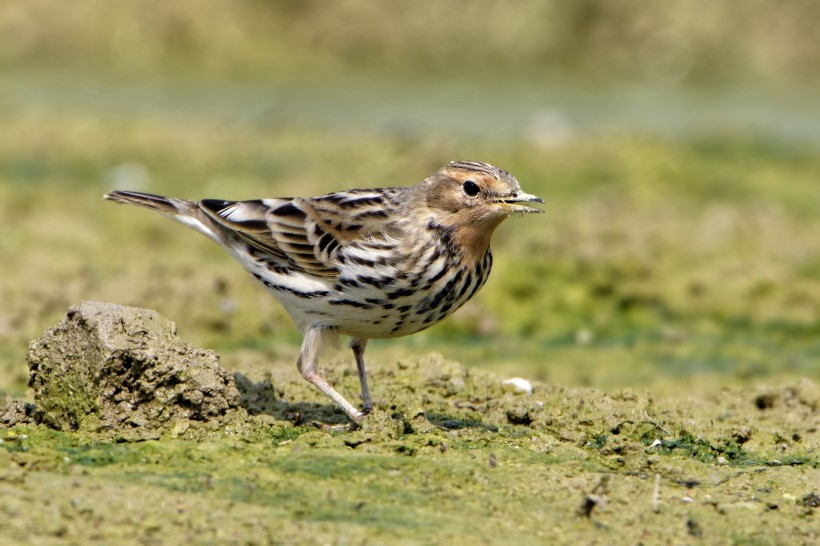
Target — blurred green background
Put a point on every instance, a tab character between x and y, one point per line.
676	145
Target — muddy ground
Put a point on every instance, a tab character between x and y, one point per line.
146	439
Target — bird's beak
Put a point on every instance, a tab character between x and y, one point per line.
510	203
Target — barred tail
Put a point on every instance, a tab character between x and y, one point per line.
186	212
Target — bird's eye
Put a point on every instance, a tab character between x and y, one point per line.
470	188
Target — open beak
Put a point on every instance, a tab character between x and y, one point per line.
511	203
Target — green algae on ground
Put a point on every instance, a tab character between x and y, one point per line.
449	456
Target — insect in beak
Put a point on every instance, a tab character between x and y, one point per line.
511	202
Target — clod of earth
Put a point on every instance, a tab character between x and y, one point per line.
111	367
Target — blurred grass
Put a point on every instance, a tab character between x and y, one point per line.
692	40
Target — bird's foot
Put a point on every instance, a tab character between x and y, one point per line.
348	427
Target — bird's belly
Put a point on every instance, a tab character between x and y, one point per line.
367	316
367	307
398	311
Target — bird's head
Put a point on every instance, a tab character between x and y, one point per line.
481	189
474	198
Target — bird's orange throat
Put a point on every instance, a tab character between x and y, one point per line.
473	234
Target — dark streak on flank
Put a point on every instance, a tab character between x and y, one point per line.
373	281
436	277
351	303
297	293
400	293
353	283
464	287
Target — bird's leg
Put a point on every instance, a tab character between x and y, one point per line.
308	365
359	345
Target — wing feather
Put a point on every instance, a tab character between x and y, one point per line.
309	234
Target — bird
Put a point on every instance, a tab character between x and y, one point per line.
367	262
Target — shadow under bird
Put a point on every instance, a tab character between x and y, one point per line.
366	263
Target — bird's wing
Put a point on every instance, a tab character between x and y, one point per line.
310	235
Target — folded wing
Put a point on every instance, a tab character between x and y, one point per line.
310	235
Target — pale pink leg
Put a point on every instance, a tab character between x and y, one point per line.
307	363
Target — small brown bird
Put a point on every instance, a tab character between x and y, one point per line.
367	263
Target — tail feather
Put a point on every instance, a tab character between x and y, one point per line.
167	205
186	212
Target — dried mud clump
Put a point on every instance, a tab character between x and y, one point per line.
111	367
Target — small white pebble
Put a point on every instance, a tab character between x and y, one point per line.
584	336
227	306
656	443
721	460
517	385
687	499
